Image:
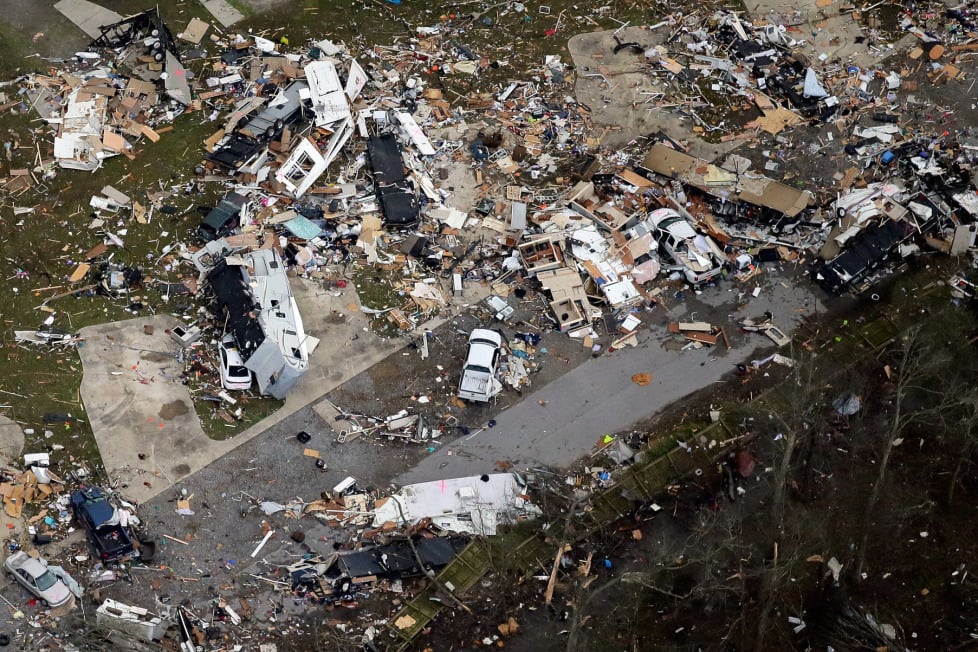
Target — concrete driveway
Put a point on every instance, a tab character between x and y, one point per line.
143	415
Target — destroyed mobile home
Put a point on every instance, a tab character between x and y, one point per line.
331	169
253	299
99	114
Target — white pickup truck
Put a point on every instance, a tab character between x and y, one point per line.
695	255
479	382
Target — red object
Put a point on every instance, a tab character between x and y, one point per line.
745	464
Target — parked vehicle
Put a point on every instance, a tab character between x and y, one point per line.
695	255
479	382
224	218
33	575
111	539
234	375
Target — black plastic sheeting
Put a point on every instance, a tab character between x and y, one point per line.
390	561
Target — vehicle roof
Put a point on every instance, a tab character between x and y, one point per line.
483	344
486	334
33	566
234	356
94	503
481	354
673	223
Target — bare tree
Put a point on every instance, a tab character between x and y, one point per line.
586	596
913	399
856	630
715	553
969	435
798	407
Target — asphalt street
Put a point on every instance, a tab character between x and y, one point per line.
562	421
553	426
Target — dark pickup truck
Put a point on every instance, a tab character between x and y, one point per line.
111	540
223	219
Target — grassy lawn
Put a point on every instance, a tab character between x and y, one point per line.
40	249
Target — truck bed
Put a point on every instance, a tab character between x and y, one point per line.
475	382
113	539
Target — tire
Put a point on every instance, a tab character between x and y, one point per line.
4	640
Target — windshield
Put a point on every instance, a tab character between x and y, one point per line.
46	580
479	368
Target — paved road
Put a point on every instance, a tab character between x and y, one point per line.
599	396
595	398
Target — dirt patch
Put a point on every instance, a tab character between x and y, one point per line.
173	409
155	356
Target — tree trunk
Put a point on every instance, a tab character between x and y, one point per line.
962	460
781	478
874	497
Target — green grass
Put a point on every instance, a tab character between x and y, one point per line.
253	409
12	51
48	243
378	290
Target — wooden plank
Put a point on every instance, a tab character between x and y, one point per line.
79	272
700	326
96	251
397	316
114	141
726	340
211	141
704	338
150	133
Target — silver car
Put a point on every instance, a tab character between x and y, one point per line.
34	575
